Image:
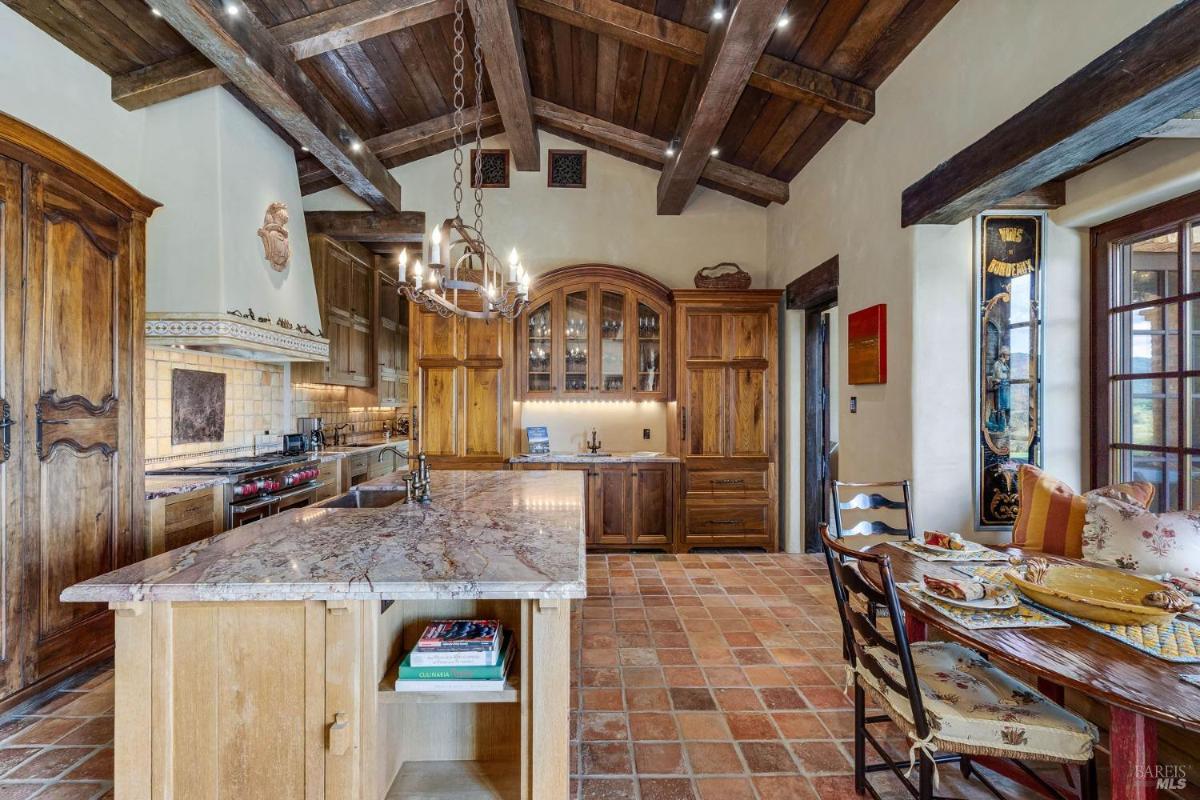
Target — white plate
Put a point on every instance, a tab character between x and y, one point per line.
968	546
1007	598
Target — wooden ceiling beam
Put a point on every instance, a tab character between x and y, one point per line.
246	52
665	37
367	226
732	49
499	30
394	144
1147	79
306	37
724	174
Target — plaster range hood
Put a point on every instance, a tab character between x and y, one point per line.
233	336
213	284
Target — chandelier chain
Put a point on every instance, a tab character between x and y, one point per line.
460	44
478	133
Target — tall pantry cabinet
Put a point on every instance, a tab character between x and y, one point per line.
72	262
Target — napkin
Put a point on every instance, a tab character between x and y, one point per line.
955	589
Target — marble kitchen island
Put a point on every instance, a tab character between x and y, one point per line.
257	663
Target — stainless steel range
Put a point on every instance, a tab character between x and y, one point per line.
259	486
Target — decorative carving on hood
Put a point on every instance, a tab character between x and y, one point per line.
277	249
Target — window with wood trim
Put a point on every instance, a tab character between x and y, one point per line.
1146	387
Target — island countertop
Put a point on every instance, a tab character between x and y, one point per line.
498	535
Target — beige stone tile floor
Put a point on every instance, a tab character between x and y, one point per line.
694	677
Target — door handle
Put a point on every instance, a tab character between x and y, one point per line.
683	425
6	424
339	734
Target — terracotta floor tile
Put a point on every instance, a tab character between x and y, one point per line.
666	789
607	789
647	699
95	731
692	700
725	676
602	700
780	698
715	758
684	676
676	656
47	730
71	791
50	763
821	758
643	676
758	675
826	698
12	756
767	757
606	758
658	758
745	725
789	787
15	725
725	789
696	725
18	791
600	677
800	725
652	727
737	699
603	726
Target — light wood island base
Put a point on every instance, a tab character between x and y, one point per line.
247	700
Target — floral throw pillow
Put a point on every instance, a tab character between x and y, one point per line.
1125	535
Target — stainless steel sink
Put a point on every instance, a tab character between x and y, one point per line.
364	499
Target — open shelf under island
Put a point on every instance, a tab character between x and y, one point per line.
257	663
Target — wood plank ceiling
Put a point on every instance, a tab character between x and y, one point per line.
612	74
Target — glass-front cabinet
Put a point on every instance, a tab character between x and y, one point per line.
595	340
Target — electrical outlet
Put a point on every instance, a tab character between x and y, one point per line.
853	405
645	433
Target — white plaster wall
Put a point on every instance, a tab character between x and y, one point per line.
44	84
612	221
209	161
959	83
618	424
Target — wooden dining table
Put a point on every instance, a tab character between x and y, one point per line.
1139	689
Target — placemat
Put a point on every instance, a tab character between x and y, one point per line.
1178	642
929	555
1022	616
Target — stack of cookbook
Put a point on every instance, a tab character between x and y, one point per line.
458	655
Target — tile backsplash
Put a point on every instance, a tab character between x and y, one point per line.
258	398
254	401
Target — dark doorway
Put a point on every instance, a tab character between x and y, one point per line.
815	293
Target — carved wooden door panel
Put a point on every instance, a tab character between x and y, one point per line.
16	598
77	413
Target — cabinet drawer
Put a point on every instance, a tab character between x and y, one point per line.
359	464
741	481
726	521
328	476
188	509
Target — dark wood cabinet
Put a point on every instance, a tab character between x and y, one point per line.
595	332
345	297
72	258
388	330
611	505
726	345
653	506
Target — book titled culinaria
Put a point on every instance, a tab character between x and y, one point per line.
410	678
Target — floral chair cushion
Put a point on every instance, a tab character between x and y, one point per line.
972	707
1125	535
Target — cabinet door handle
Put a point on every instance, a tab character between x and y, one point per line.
339	734
6	423
728	481
722	522
683	426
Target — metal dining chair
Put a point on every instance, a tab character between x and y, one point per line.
875	505
944	696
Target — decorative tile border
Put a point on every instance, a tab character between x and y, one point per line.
167	328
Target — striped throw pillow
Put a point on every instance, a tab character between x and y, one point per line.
1051	514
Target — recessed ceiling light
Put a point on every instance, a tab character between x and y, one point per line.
155	11
784	19
670	151
305	149
718	13
356	146
231	9
714	152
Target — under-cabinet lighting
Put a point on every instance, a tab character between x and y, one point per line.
155	11
716	151
305	149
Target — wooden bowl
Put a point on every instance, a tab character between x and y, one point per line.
1095	593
